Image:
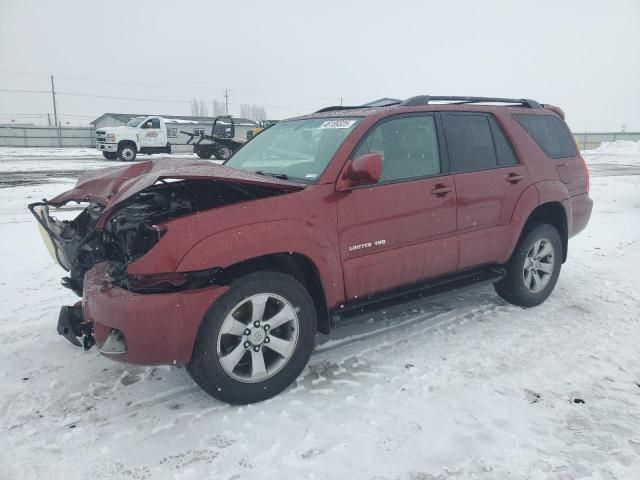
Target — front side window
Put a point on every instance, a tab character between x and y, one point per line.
469	142
152	123
409	147
295	149
550	133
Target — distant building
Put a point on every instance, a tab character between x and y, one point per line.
180	122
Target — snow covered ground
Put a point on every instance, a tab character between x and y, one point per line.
456	386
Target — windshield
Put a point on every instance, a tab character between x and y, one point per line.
134	122
297	149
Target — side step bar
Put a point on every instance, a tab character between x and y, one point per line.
457	281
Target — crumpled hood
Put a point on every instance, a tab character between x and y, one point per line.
110	186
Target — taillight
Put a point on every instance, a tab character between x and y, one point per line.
586	172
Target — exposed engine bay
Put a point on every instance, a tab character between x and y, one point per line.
77	245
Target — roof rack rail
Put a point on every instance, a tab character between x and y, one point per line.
340	107
426	99
382	102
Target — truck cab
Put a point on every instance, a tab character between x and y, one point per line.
144	135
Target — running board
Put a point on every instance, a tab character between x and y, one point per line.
457	281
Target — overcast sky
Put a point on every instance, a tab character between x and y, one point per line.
296	56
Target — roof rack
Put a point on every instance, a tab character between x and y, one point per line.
426	99
341	107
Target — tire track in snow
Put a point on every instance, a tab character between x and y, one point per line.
439	320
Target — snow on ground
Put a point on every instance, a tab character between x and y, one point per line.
456	386
622	153
48	152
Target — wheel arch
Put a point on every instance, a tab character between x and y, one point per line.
122	143
299	266
554	214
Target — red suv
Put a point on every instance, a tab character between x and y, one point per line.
231	269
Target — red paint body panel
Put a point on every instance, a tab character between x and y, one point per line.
362	240
486	201
389	233
158	328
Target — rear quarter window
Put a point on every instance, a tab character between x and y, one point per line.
550	133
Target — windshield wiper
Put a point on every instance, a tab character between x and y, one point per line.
281	176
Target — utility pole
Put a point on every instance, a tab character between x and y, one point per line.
341	100
55	111
226	101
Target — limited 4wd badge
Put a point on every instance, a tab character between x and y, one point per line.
337	123
360	246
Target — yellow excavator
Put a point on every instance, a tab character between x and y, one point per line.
262	125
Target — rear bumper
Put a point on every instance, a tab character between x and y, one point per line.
579	207
107	147
158	328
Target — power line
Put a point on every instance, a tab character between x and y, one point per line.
173	87
157	100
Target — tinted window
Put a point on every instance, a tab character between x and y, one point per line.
409	147
469	142
503	148
550	133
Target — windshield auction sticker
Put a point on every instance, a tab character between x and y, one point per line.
338	124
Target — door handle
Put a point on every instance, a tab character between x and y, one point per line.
514	178
441	190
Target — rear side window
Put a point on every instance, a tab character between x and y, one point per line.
550	133
469	142
504	152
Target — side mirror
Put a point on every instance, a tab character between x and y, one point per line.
363	170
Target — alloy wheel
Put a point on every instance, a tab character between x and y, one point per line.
538	265
258	337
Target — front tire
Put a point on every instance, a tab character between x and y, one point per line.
255	340
224	153
127	152
109	155
204	155
534	267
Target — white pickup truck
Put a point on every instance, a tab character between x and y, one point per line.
144	135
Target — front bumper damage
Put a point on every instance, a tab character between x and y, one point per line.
143	328
71	326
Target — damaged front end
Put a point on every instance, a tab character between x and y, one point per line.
119	236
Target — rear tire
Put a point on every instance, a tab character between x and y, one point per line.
255	340
110	155
204	155
127	152
534	267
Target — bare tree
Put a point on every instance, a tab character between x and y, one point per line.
253	112
198	108
218	108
